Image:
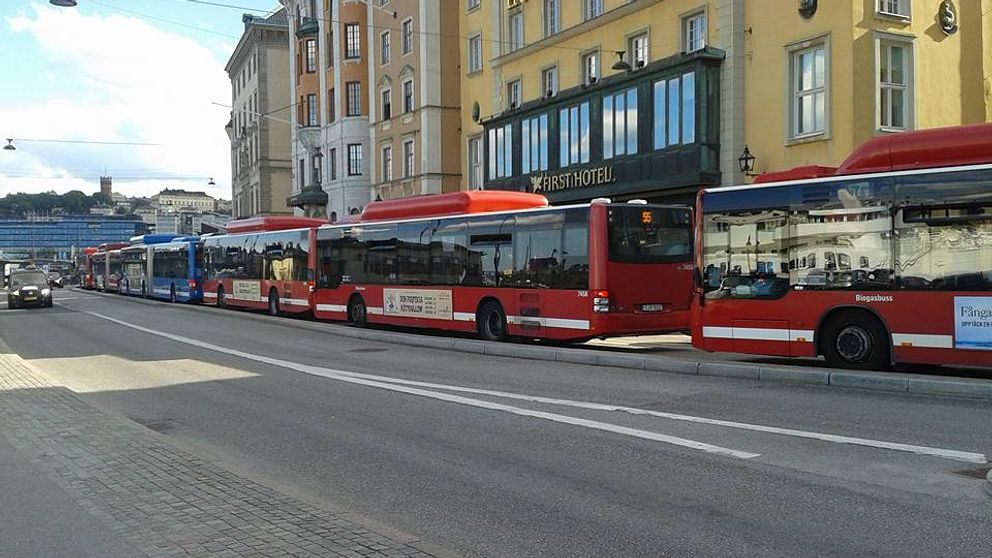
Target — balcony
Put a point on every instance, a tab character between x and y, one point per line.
307	26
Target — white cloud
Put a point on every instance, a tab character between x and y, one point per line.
120	79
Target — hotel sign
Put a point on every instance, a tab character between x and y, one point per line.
541	183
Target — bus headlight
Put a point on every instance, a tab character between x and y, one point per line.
46	292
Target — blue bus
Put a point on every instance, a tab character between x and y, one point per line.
176	269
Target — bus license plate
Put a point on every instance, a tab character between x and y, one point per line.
651	308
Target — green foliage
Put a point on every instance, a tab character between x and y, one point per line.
20	205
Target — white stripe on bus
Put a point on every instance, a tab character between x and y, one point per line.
562	323
332	308
209	295
463	316
922	340
295	301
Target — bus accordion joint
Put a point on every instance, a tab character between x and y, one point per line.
601	301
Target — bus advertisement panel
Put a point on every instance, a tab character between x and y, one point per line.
569	273
864	270
270	269
176	270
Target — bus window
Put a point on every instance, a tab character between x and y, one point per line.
491	250
450	252
537	249
413	253
639	234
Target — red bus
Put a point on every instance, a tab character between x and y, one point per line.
263	262
886	259
504	264
86	268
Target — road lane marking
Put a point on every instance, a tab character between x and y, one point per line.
956	455
356	378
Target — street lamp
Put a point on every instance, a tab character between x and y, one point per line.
10	145
63	3
621	65
746	162
211	182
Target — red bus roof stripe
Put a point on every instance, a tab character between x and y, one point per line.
265	223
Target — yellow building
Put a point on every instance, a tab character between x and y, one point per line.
821	82
656	98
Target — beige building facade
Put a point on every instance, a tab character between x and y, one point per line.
414	97
259	128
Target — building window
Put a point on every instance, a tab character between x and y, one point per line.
312	115
333	162
387	104
573	128
549	80
331	108
593	8
301	172
387	163
407	31
354	100
501	152
384	47
473	4
809	91
516	30
353	47
354	159
895	84
552	17
316	169
534	144
408	96
675	111
475	163
311	56
513	94
408	158
474	53
694	32
620	124
899	8
638	47
590	67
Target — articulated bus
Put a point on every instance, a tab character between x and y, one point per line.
263	262
176	269
886	259
100	263
88	281
504	264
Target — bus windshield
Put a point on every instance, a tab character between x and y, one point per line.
650	234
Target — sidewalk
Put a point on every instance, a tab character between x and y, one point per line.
75	481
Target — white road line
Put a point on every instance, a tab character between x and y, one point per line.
956	455
356	378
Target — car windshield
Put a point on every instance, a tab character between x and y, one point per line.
36	279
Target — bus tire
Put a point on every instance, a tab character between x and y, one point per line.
855	339
490	321
358	313
220	296
273	302
172	294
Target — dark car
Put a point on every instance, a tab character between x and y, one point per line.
28	287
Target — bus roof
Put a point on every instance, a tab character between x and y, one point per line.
89	250
454	203
107	246
264	223
918	149
153	238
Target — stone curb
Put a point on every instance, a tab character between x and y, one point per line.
793	375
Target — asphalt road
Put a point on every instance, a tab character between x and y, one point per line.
490	456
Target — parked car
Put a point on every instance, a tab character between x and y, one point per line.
28	287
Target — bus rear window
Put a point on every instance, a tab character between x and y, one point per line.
647	234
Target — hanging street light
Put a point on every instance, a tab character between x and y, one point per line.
10	145
746	162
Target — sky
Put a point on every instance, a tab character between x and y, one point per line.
127	71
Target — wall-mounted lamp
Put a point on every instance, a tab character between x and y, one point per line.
621	65
10	145
746	162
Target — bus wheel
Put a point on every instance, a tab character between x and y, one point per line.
273	302
357	312
853	339
491	322
220	296
172	294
